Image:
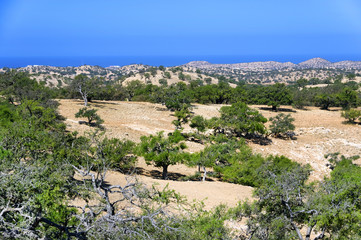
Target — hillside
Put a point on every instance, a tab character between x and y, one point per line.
272	65
271	71
318	132
252	72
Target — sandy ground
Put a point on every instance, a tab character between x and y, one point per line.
318	132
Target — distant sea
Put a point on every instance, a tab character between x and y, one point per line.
15	62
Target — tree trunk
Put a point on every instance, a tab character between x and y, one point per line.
83	95
85	101
204	173
165	172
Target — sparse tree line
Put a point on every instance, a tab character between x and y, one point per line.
44	169
299	94
176	96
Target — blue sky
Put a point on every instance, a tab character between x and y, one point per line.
64	28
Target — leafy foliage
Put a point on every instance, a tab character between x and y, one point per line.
176	98
199	123
282	125
277	94
351	115
325	101
183	115
163	151
86	87
347	98
287	203
18	87
243	120
91	115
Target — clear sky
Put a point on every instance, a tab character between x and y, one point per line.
45	28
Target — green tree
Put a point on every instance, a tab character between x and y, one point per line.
351	115
147	76
208	80
132	89
277	94
286	203
118	154
162	151
17	87
181	76
167	75
91	115
215	155
325	100
347	98
199	123
301	83
351	76
86	87
338	200
282	125
177	97
242	119
183	115
163	82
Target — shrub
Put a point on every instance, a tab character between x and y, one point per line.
282	125
91	115
163	151
182	116
163	82
167	75
199	123
351	115
242	119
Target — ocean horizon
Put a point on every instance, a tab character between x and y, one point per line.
168	61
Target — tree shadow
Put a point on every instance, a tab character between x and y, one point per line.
156	174
94	125
263	141
171	175
278	109
161	109
302	109
88	181
351	123
103	102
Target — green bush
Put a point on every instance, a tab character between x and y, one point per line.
163	151
242	119
351	115
199	123
282	125
91	115
163	82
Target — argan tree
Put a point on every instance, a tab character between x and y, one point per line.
91	115
282	125
85	86
162	151
277	94
242	119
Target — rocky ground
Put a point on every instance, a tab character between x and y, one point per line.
318	132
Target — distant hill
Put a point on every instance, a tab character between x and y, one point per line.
314	63
253	72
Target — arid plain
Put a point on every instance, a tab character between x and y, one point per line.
318	132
